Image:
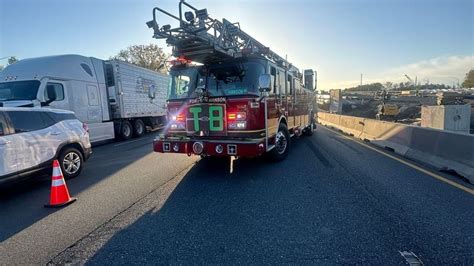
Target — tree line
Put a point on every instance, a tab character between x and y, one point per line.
467	83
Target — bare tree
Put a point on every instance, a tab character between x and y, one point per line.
149	56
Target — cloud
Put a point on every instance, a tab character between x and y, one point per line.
439	69
442	69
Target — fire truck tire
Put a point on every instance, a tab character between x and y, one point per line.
282	144
308	131
138	128
126	130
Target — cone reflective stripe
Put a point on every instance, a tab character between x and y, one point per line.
57	174
59	193
57	183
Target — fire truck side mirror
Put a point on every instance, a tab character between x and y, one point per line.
264	83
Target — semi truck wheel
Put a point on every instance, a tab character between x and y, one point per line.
282	144
138	128
126	130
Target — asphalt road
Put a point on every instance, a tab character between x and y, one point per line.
333	201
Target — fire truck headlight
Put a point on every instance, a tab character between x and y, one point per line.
177	121
238	125
177	117
236	116
177	125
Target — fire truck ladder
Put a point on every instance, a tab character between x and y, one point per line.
205	40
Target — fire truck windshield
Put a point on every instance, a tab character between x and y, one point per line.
234	79
183	83
222	80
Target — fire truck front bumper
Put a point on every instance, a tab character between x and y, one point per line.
206	147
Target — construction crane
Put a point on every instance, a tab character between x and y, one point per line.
413	82
202	39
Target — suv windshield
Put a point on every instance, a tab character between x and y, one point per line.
223	80
19	90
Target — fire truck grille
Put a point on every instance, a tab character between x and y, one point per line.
206	120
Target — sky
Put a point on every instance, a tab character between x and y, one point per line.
341	39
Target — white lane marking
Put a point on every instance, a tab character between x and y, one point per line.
411	258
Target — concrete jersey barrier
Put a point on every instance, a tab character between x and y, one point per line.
387	135
443	150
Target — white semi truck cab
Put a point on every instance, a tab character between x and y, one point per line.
114	98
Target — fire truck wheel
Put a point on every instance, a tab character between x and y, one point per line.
308	131
126	130
282	144
138	128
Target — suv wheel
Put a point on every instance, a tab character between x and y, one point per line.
126	130
71	162
138	128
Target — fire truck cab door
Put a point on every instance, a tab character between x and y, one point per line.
281	93
291	103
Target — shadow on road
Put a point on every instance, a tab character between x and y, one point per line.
261	212
306	209
21	204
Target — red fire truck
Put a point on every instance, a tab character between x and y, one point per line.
230	95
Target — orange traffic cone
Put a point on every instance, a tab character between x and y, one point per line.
59	194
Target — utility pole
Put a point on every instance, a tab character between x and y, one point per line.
361	79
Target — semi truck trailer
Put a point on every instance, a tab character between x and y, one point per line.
116	99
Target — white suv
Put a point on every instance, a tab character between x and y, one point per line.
31	138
